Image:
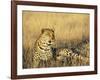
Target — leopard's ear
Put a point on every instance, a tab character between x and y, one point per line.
53	30
42	31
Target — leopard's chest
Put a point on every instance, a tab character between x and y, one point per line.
43	55
47	55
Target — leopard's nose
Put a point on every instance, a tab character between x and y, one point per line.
49	41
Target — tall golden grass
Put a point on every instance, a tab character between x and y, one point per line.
68	27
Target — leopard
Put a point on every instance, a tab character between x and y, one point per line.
66	57
43	48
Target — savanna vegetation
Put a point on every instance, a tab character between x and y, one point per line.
71	31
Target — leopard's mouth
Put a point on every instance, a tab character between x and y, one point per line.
49	44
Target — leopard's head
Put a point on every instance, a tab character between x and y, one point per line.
47	37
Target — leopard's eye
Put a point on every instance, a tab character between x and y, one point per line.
57	54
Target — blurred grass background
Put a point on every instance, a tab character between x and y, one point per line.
70	30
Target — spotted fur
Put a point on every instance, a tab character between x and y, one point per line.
42	48
68	58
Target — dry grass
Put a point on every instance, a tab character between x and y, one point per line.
71	30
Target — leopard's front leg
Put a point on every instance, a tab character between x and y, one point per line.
36	63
